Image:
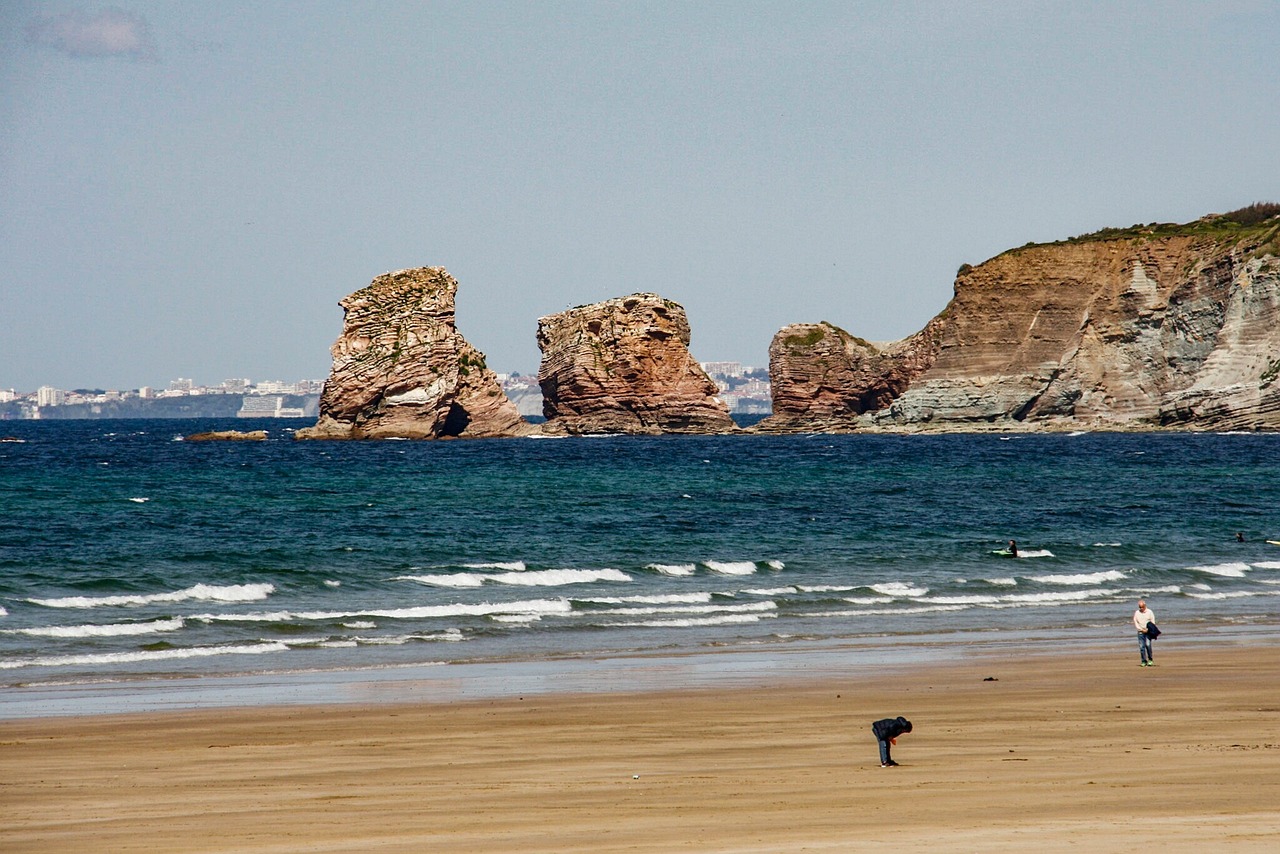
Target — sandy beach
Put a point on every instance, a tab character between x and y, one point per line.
1046	752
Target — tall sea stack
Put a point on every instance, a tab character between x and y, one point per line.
623	366
402	370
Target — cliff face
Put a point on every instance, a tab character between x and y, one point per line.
824	378
402	370
623	366
1174	326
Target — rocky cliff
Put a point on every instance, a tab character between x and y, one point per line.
1155	326
623	366
402	370
823	378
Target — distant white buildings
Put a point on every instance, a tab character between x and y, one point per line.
273	392
268	406
724	369
50	396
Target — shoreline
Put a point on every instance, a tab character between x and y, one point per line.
793	661
1060	750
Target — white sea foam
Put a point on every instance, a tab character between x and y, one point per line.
1267	564
881	612
898	588
1238	594
450	636
1034	553
770	591
1107	545
423	612
329	582
1002	582
558	577
204	592
143	655
139	500
512	566
753	607
721	620
107	631
673	568
869	600
359	624
736	567
1087	578
661	599
1200	587
1224	570
963	600
454	579
529	578
1064	596
775	564
3	612
824	588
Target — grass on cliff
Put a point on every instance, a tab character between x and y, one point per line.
1260	220
813	336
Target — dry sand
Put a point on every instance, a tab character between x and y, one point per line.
1064	752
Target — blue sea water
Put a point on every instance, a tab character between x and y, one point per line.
128	554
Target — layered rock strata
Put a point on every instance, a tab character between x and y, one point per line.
823	378
402	370
1163	326
623	366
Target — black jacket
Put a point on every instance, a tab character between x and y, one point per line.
891	727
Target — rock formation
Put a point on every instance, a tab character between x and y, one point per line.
228	436
402	370
1155	326
824	378
623	366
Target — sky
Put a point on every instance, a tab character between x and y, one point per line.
187	189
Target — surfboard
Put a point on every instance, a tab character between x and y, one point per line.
1274	542
1003	553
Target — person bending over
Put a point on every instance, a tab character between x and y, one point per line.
886	732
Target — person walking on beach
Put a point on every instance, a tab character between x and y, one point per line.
886	732
1141	618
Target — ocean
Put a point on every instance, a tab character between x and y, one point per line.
129	556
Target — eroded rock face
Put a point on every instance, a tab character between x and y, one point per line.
1179	327
824	378
623	366
402	370
1109	335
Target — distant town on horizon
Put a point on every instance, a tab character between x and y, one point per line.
744	389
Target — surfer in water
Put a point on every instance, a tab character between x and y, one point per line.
1013	548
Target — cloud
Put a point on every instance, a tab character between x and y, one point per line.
85	35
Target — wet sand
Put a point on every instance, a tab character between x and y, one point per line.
1080	752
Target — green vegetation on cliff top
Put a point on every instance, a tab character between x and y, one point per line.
1260	220
813	336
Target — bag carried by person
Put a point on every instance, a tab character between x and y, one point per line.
1153	631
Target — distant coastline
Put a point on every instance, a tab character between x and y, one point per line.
187	406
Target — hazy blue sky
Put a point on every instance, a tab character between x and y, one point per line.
187	189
